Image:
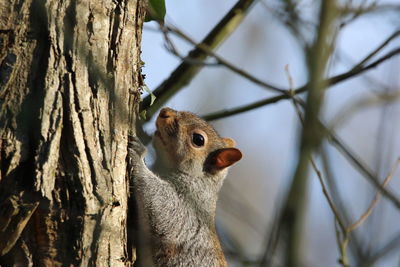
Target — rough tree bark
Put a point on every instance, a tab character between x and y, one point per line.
69	79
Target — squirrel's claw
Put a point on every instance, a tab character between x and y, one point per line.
135	146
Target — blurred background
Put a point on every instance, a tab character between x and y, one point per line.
363	111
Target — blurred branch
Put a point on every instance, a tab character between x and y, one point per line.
241	109
353	107
372	178
377	50
356	244
236	205
353	12
383	148
346	151
267	258
354	71
372	8
232	247
393	244
228	65
333	187
374	202
169	45
367	78
272	238
287	12
184	73
345	230
297	104
358	69
338	218
291	218
292	18
346	234
331	203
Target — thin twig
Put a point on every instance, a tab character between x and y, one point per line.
185	72
375	201
271	100
344	237
345	150
362	8
346	113
295	202
367	173
331	203
170	46
359	69
227	64
296	104
346	234
355	245
288	14
369	8
378	49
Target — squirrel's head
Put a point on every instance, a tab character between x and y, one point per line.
185	142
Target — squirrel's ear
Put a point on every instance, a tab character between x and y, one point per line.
229	142
222	158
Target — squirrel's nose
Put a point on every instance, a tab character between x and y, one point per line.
165	113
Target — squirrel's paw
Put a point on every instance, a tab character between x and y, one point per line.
135	147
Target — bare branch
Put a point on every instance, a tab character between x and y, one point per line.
170	46
345	233
184	73
378	49
311	137
343	243
375	201
368	174
358	104
354	159
358	69
365	9
271	100
331	203
228	65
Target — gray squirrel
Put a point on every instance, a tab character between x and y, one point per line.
177	203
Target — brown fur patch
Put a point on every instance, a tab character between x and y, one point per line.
171	250
218	250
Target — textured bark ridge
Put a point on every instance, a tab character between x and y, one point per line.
69	79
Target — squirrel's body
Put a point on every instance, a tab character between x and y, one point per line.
178	203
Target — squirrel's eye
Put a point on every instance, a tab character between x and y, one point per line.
198	139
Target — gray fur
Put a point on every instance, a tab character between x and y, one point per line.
179	208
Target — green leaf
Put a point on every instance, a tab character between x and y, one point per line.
156	10
143	114
152	96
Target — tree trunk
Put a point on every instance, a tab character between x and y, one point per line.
69	79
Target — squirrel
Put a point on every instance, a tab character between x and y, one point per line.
178	201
